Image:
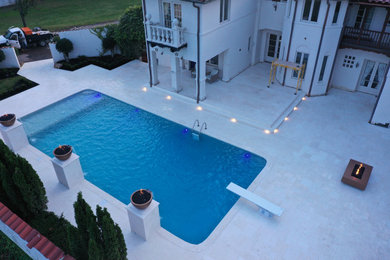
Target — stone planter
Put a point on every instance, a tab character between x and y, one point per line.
63	152
141	199
7	119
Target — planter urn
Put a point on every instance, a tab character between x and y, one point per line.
7	119
141	198
63	152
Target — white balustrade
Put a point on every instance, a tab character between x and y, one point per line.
172	37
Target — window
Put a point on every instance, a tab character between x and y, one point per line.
349	61
336	12
249	43
364	17
311	10
224	10
171	10
323	66
301	58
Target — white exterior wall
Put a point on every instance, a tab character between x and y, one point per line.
33	252
348	78
382	111
11	60
84	42
7	2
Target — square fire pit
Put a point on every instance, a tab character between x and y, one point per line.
357	174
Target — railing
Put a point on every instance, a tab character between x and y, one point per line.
366	38
171	37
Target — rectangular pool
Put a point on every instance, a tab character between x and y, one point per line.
123	148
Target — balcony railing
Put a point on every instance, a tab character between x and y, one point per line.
366	39
170	37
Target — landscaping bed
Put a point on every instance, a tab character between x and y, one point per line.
106	62
12	84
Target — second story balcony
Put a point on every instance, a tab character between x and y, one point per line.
165	36
366	40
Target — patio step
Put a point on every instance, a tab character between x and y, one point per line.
287	111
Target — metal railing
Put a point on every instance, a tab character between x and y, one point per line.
171	37
366	38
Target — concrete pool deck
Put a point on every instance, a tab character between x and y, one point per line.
323	218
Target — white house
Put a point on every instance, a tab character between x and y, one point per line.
344	44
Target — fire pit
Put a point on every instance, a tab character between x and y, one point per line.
7	119
357	174
63	152
141	199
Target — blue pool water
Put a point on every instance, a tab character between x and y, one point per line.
123	148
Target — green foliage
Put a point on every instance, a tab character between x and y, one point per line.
9	250
65	46
130	35
20	187
2	55
22	6
106	34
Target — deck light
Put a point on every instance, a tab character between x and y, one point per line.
168	97
286	118
295	108
304	98
276	131
267	131
199	108
144	89
233	120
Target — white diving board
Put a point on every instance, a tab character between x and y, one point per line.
267	207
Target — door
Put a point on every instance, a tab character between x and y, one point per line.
372	77
171	10
273	47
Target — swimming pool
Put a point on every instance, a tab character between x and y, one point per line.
123	148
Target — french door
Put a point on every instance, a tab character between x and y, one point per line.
373	74
171	10
273	47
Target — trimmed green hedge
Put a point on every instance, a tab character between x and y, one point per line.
105	62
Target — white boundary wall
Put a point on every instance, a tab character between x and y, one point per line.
7	2
11	60
33	252
84	42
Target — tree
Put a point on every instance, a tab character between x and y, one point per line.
22	7
2	56
65	46
130	35
107	35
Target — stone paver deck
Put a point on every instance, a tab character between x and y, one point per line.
323	218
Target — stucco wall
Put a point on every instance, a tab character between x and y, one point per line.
11	60
84	44
348	78
382	111
7	2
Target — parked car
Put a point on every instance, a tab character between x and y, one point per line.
25	37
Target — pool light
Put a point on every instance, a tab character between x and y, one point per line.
185	130
267	131
233	120
247	155
168	97
144	89
199	108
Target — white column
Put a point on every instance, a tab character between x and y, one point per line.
144	221
176	73
255	35
153	66
69	172
14	136
202	81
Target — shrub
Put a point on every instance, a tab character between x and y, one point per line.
65	46
9	250
130	35
2	55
